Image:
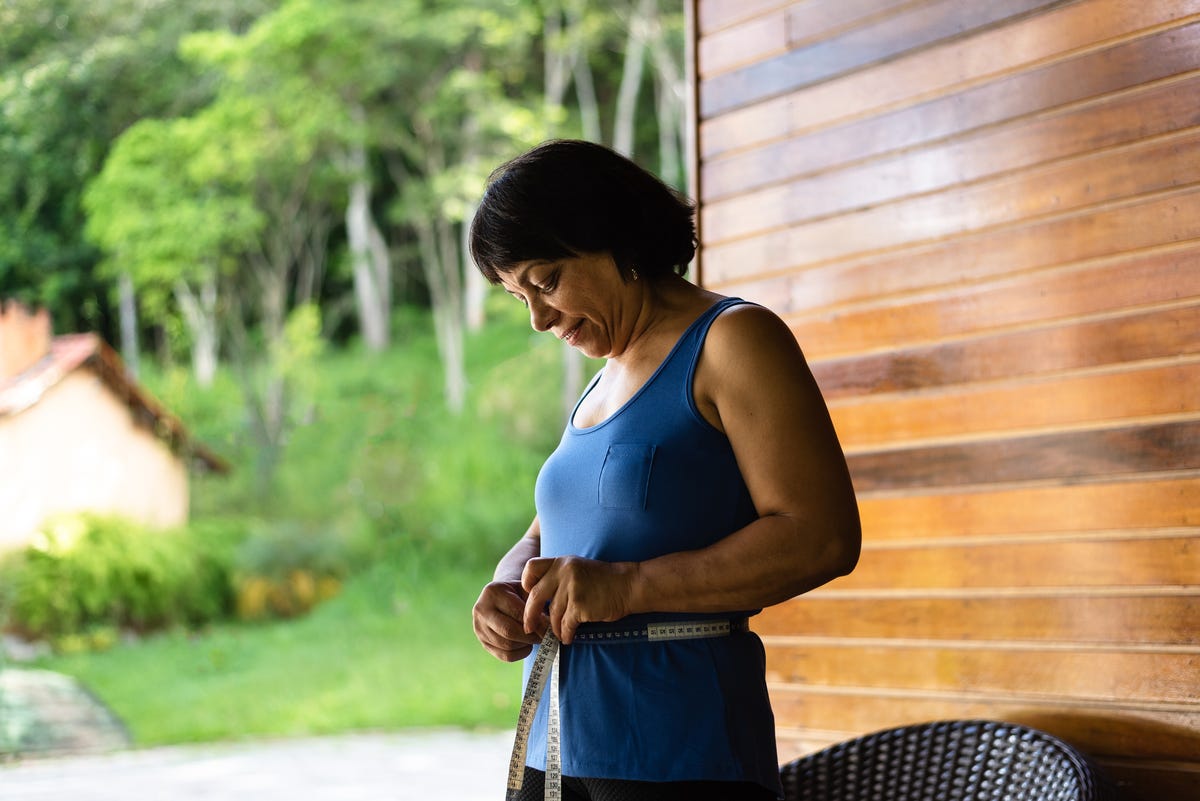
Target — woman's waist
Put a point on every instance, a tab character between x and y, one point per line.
666	626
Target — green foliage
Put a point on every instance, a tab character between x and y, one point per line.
162	219
394	650
74	74
381	453
82	572
287	567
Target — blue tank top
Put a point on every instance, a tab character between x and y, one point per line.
654	478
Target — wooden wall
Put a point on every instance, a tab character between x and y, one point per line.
982	221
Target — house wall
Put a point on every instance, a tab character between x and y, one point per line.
982	222
81	451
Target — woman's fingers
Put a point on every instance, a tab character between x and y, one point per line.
498	620
539	582
567	591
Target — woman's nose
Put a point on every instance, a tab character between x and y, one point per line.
541	316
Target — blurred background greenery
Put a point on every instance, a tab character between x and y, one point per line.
263	204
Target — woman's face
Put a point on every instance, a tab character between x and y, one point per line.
580	299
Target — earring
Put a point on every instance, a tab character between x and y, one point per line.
634	271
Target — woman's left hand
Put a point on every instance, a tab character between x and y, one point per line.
578	591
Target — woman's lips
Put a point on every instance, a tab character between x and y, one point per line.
569	335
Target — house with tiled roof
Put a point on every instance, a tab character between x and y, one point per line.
79	434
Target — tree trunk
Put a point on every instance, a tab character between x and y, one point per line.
585	87
369	258
669	96
631	78
557	63
445	292
129	325
200	317
475	300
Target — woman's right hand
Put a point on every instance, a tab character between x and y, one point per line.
499	616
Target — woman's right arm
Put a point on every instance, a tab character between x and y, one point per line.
499	614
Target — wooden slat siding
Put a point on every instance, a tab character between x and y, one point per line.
985	234
915	76
1149	731
1006	512
1107	122
1142	561
1075	456
777	29
879	39
1083	674
1105	286
751	40
1131	225
1132	336
1089	75
1090	615
712	15
1037	405
1125	171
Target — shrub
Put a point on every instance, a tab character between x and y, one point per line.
83	573
287	567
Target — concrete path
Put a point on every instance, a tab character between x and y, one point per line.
426	765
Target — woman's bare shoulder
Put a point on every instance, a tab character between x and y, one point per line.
751	333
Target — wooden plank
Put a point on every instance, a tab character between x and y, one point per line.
1023	143
1073	563
812	20
1121	282
1080	182
754	40
1130	226
1113	618
1084	674
878	40
937	70
1089	75
1101	729
712	15
1037	404
1073	345
1071	456
1134	505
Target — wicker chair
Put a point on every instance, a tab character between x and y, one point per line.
955	760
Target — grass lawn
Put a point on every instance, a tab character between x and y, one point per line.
394	650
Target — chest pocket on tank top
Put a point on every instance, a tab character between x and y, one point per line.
625	476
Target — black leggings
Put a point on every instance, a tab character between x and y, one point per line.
533	786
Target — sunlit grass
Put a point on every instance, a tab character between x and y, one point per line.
389	653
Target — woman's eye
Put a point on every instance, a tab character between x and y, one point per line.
550	283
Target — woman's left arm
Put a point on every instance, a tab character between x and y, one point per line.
754	383
754	376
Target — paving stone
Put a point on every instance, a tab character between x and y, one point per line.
424	765
42	712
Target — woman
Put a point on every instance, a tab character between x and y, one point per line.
699	479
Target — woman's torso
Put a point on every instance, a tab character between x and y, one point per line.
650	477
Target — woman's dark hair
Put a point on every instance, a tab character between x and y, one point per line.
569	197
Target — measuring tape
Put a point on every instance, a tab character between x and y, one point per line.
545	669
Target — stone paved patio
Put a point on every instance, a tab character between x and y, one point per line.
59	743
425	765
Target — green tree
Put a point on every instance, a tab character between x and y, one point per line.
433	91
154	212
74	74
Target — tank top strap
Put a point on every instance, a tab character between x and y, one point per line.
692	342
